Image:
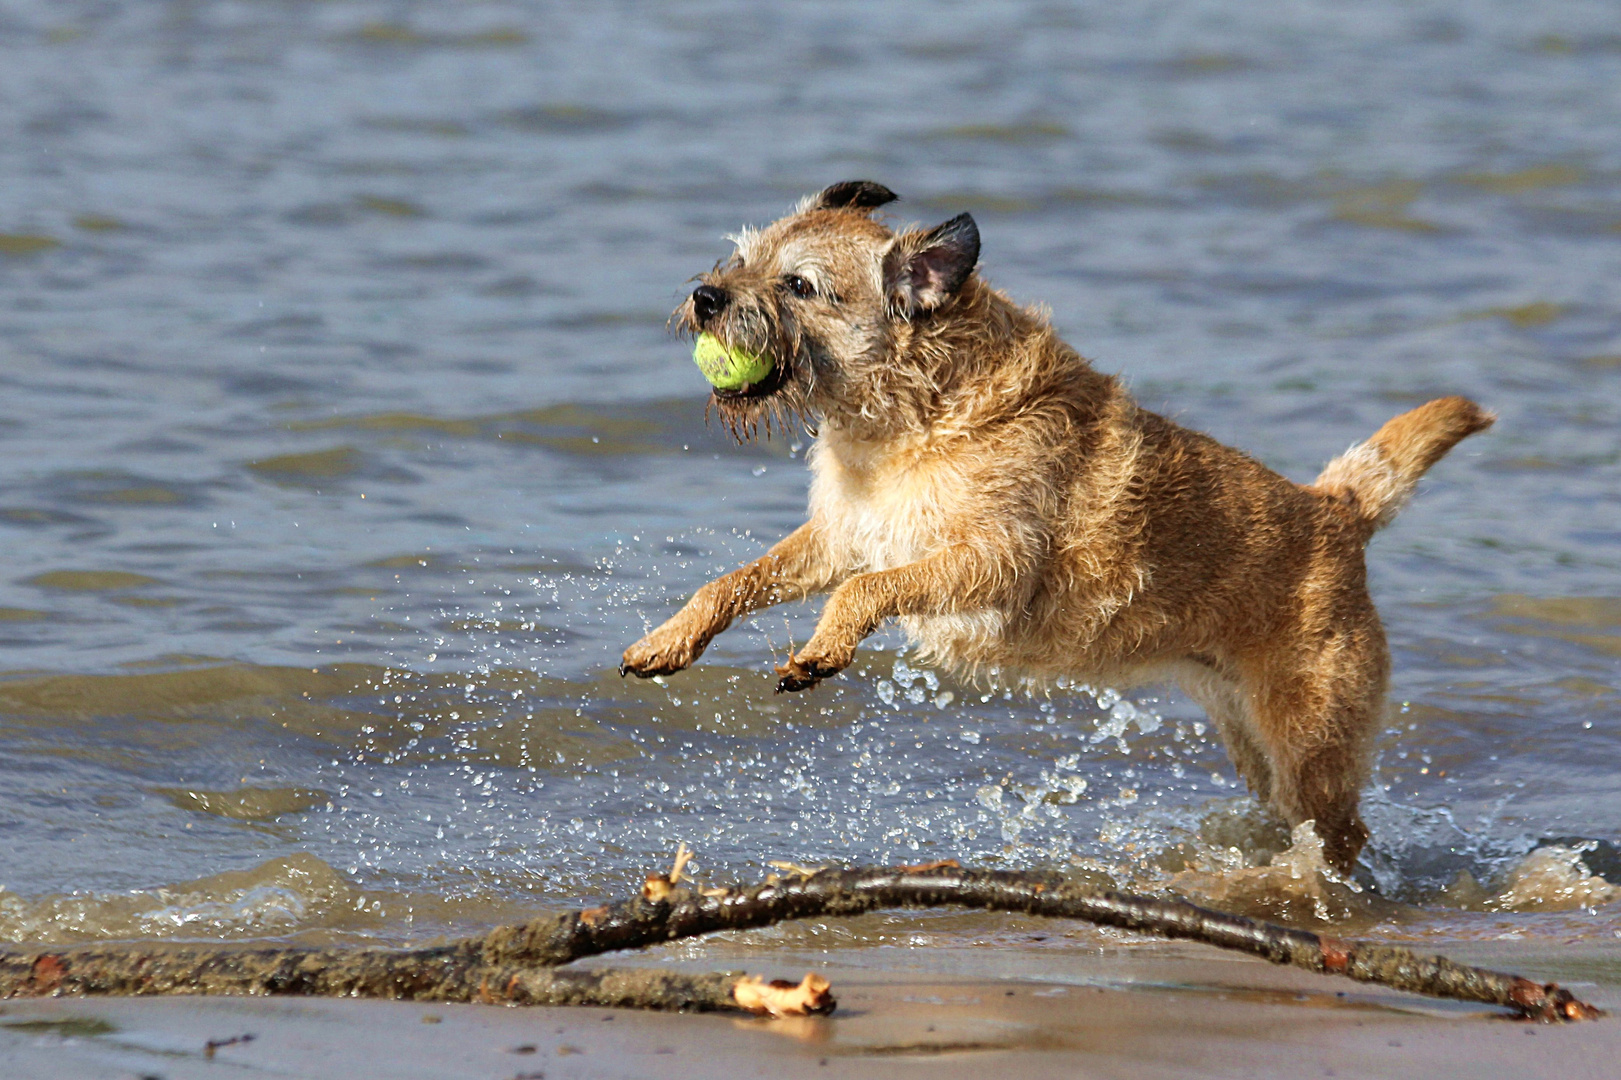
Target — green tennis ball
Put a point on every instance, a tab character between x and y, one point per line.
728	369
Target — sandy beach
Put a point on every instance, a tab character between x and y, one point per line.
1138	1011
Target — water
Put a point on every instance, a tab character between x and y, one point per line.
343	448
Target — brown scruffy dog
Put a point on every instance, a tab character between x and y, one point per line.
1023	516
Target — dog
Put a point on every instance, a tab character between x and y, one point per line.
1024	518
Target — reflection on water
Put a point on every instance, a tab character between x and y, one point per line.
345	447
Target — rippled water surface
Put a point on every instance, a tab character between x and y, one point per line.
343	447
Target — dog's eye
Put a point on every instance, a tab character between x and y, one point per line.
799	286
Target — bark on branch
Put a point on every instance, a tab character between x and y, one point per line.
514	964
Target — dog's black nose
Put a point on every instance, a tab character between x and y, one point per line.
706	301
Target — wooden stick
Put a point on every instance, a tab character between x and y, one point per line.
510	964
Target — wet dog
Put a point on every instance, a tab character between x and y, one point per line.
1023	517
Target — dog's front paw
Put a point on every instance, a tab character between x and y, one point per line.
660	653
807	669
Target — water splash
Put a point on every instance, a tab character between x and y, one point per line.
1551	878
1295	885
479	776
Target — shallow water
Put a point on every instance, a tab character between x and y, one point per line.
343	448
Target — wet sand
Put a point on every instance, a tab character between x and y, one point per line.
1136	1011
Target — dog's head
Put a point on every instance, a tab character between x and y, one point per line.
834	298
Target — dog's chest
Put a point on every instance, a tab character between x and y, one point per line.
880	514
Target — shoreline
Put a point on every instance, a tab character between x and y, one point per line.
1135	1010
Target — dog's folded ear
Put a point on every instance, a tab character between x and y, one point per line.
853	195
924	270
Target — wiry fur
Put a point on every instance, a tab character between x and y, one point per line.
1019	512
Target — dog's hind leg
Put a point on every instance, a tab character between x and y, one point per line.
1313	720
1223	700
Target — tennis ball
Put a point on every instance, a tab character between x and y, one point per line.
728	369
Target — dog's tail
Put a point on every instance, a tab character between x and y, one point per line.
1376	478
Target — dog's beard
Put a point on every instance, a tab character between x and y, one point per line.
778	405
